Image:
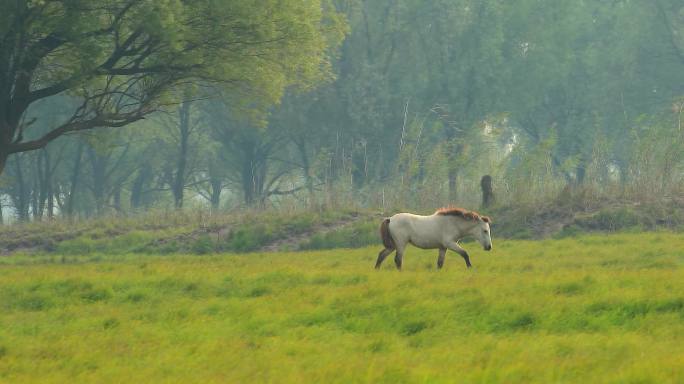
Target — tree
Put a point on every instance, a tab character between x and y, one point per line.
181	128
120	60
250	155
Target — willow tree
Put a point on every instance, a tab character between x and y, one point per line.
119	60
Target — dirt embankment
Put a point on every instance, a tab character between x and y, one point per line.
313	231
562	220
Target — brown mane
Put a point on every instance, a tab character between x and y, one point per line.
461	212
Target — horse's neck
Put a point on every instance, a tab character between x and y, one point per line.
461	225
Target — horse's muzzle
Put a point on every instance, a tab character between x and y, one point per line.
488	248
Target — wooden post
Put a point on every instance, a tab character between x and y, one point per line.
487	192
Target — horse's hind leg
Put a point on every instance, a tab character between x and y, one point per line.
440	259
399	256
381	257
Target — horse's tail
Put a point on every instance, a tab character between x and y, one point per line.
387	240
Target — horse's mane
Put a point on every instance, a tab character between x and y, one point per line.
462	212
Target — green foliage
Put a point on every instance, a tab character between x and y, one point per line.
611	220
353	236
119	61
251	236
421	101
197	234
202	245
571	230
514	225
107	243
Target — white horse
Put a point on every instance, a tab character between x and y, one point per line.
441	230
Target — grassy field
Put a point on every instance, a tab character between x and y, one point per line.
591	309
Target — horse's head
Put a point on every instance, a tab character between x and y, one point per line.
482	232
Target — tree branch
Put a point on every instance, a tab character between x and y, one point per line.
74	126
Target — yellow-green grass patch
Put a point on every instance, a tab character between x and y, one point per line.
586	309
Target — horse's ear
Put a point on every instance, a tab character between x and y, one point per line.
486	219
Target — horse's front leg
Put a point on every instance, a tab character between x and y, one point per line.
440	259
457	248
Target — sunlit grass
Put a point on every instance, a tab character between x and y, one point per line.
588	309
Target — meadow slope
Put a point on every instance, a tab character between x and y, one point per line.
596	308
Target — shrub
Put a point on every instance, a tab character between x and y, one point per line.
202	245
610	220
248	238
571	230
78	246
354	236
107	243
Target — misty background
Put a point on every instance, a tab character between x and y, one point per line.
381	105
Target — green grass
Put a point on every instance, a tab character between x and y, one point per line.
357	235
589	309
165	232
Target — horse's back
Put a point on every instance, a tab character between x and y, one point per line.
422	231
403	221
404	217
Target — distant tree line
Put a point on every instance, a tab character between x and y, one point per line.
123	106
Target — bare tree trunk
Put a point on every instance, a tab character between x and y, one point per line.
3	161
74	180
580	173
260	182
248	181
36	189
50	201
453	189
47	181
22	198
44	183
216	188
452	173
216	178
139	186
98	165
178	186
487	191
300	143
117	199
250	173
9	123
